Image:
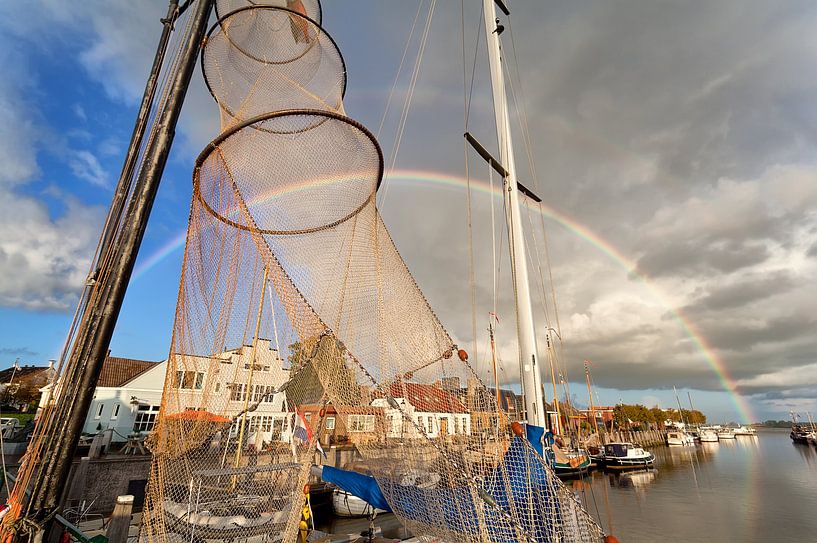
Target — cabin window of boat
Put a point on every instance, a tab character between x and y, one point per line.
99	411
361	423
115	412
330	423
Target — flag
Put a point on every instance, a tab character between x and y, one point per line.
302	434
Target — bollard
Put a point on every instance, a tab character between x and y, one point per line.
120	520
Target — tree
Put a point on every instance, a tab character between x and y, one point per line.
632	416
318	365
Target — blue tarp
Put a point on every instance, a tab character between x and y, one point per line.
357	484
535	434
521	471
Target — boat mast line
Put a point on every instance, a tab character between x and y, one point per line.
531	379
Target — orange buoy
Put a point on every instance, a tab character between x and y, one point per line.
322	412
462	354
517	429
611	539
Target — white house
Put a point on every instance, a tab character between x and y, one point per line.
226	385
435	411
128	395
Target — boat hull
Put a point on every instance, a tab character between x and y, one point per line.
566	471
618	463
348	506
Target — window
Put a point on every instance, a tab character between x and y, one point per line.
217	387
99	411
262	392
189	380
361	423
238	392
145	418
115	412
330	423
430	424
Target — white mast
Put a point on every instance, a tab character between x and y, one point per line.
529	367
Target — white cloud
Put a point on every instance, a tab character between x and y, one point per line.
86	166
43	261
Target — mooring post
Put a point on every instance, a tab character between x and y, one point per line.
117	531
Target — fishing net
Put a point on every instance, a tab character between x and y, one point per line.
300	331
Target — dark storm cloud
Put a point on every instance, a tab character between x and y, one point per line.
691	258
743	291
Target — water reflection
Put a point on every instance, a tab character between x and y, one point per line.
637	480
751	489
808	453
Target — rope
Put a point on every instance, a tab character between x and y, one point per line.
399	69
472	282
409	97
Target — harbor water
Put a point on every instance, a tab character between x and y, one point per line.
751	489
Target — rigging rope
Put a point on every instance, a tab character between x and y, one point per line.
401	127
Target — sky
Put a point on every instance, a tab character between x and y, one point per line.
672	144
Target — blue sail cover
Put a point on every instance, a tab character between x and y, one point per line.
520	486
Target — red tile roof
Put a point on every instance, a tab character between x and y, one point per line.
117	372
427	398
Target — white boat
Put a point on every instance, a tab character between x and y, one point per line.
679	438
347	505
708	435
623	455
745	431
726	433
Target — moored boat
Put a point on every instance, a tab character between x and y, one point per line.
708	435
623	455
745	431
575	463
799	433
726	433
348	505
679	438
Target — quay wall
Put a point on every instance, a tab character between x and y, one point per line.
109	477
646	438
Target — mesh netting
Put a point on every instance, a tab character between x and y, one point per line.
298	323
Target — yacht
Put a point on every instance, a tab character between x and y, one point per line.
623	455
745	431
708	435
679	437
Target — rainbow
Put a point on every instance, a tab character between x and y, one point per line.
439	179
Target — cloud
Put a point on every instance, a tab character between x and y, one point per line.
86	166
18	351
43	261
